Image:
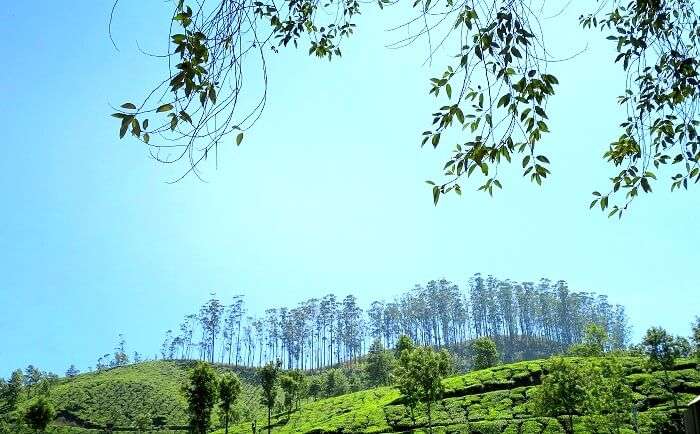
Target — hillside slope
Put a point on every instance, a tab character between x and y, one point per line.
489	401
118	397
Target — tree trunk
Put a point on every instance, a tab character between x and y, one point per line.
430	420
669	386
269	418
226	423
568	424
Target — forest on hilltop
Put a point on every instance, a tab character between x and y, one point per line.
527	320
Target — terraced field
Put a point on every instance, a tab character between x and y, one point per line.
491	401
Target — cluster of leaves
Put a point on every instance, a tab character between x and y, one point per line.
500	94
658	47
594	343
198	105
484	353
497	90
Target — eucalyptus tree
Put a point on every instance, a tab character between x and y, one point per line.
210	315
375	320
523	318
259	328
187	328
352	327
121	358
166	347
272	331
325	318
32	377
72	371
331	306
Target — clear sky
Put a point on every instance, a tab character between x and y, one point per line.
326	193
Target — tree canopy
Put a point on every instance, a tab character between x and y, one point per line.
484	353
494	94
419	377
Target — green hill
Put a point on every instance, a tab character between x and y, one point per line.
118	397
489	401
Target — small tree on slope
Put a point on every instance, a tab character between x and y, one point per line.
420	375
484	353
229	391
39	414
379	365
201	393
268	375
562	393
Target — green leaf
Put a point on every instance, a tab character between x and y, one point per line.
541	112
239	139
164	108
128	105
436	194
126	121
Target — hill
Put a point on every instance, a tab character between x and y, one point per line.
489	401
117	397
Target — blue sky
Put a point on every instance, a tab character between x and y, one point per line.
325	194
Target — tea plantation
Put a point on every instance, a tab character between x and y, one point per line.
489	401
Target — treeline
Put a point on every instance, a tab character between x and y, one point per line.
326	331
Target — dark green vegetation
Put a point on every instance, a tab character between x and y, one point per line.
494	90
39	414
